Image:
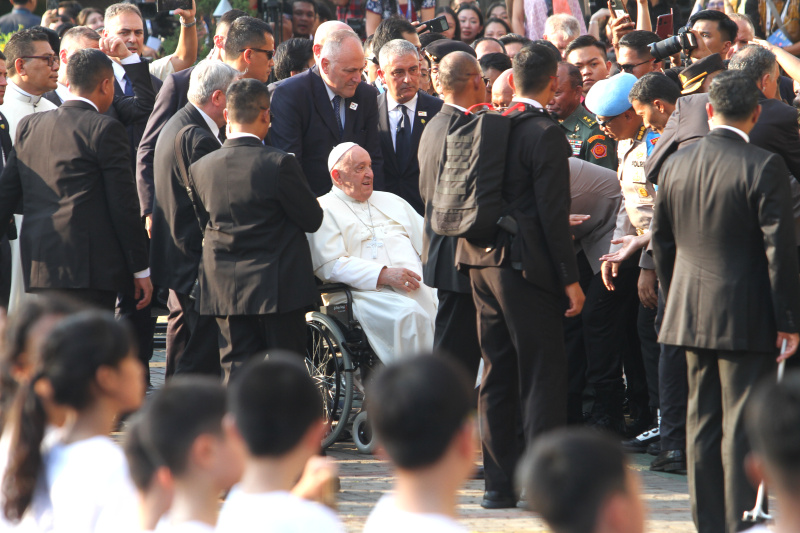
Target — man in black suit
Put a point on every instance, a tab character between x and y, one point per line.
456	328
5	151
82	232
256	275
403	111
519	281
177	235
326	106
729	272
248	48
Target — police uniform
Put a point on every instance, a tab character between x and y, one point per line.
587	140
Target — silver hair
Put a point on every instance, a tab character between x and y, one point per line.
561	22
209	76
114	10
396	48
335	41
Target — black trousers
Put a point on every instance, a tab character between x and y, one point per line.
651	352
144	327
192	343
720	383
525	367
103	300
456	329
673	390
242	337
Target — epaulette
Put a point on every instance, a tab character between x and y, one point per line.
589	121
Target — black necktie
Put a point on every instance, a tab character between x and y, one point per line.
403	138
337	102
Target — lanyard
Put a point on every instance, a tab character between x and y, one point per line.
771	10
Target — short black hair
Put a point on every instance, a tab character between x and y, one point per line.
774	432
499	21
733	95
312	2
71	7
568	474
755	61
324	13
514	38
274	403
52	36
427	38
497	61
727	27
187	407
292	55
573	73
21	44
231	16
141	463
639	41
388	30
245	32
475	43
245	99
417	406
533	67
654	86
584	41
548	44
2	56
87	69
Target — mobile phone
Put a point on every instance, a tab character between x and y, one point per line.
664	26
171	5
52	4
620	8
437	25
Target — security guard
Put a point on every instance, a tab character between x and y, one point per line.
588	142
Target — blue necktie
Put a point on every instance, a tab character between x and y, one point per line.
337	102
128	86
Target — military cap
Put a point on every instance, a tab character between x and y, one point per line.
609	97
693	76
438	49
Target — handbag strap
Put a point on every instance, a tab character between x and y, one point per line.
186	177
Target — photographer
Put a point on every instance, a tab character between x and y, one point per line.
715	33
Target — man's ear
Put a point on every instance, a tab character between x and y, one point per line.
381	76
19	66
511	83
336	177
62	57
710	110
325	65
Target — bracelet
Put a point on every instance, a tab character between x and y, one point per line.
190	24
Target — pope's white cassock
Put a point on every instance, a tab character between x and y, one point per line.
356	240
16	105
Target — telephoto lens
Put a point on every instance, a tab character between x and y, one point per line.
685	40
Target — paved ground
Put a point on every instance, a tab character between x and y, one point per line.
364	479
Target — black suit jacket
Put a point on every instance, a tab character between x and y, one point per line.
176	240
256	259
724	246
136	128
537	169
438	252
5	136
171	98
404	182
775	131
82	228
304	125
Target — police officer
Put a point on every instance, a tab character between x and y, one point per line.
588	142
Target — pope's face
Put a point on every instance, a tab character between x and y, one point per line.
355	174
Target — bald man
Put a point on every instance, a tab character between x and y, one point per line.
326	106
502	92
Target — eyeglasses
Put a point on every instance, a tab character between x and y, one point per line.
51	59
629	68
604	123
269	53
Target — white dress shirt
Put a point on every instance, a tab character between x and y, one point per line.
528	101
62	91
237	134
211	124
395	114
742	134
119	72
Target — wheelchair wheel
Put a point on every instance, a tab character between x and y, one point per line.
330	366
363	437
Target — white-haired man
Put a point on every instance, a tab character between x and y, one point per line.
561	29
372	242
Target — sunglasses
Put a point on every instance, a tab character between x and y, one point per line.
269	53
629	68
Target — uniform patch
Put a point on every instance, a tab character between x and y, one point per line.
596	138
642	192
599	151
576	146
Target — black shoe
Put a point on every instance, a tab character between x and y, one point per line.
640	443
478	473
493	499
654	448
670	461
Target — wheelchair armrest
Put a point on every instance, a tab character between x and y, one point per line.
327	288
332	287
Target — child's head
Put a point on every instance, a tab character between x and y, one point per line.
419	409
182	429
153	480
277	408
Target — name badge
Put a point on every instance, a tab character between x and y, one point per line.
422	113
353	106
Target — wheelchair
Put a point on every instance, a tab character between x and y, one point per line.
340	360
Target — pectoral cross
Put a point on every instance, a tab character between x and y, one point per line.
374	244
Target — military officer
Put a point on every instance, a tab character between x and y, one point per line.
583	132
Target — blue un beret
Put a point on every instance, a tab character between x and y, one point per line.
609	98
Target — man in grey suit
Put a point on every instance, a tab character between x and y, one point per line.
728	268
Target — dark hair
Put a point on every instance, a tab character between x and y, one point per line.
232	15
472	7
568	474
491	8
388	30
72	8
246	98
733	95
573	73
585	41
497	61
87	69
85	13
64	27
774	432
639	41
312	2
71	355
187	407
245	32
514	38
141	463
21	44
548	44
324	13
449	11
726	26
2	56
417	406
427	38
654	86
533	67
475	43
292	55
495	20
52	36
274	403
754	61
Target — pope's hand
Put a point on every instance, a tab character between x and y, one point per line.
399	278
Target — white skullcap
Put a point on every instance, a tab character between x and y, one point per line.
336	154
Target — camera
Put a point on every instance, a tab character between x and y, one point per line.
685	40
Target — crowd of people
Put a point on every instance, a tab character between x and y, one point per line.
641	280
